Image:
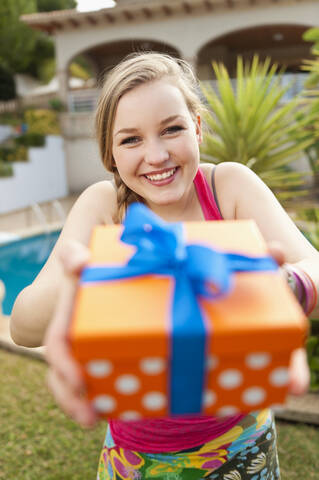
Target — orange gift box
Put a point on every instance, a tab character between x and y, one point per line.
119	331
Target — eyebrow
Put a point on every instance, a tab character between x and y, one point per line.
163	122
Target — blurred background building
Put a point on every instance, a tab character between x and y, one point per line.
198	31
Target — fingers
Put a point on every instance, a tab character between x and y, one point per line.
57	347
71	402
65	379
299	373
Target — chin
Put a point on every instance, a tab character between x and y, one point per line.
166	199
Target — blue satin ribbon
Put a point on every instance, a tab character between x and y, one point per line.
160	250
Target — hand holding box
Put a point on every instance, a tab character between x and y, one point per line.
201	331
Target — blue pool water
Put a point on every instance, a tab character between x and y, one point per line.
21	261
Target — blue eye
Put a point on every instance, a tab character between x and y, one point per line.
173	129
130	140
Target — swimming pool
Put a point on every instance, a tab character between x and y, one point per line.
21	261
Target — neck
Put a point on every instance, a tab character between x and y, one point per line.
187	209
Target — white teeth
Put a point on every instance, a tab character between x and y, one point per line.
161	176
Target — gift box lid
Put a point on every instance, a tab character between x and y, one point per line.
133	315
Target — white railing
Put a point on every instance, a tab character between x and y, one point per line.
83	100
294	80
9	106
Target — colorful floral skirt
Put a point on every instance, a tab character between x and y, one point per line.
246	452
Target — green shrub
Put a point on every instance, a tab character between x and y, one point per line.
6	153
20	154
307	219
14	119
42	121
57	105
31	139
17	153
313	356
250	124
7	85
6	169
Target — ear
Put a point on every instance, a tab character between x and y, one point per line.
198	126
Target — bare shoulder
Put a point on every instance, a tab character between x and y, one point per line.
229	177
100	199
95	206
243	195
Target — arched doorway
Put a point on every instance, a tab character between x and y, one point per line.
106	56
101	59
283	43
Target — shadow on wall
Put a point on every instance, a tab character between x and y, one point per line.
41	179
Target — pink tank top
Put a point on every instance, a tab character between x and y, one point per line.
173	434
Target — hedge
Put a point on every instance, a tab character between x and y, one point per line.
31	139
6	169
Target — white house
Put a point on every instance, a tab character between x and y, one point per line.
196	30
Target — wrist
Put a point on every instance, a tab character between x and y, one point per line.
302	286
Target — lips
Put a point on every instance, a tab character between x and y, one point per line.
157	177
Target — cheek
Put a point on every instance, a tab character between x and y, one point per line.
126	166
190	149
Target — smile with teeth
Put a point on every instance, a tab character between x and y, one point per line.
161	176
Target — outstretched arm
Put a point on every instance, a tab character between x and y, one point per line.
242	195
34	307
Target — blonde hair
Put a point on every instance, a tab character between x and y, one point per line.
137	69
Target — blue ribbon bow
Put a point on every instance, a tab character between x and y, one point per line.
160	250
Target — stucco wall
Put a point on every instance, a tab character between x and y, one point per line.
41	179
83	165
5	132
188	34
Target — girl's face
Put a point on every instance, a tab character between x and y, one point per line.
156	143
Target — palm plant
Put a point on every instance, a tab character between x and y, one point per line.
309	111
250	124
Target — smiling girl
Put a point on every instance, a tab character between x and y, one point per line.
149	129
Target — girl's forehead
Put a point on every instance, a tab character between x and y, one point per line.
153	99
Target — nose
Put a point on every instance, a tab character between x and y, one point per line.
156	152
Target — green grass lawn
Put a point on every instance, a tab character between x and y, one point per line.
37	442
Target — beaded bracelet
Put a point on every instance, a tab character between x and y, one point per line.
313	295
302	286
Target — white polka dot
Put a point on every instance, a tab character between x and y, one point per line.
231	378
154	401
104	403
99	368
127	384
227	410
257	361
209	398
253	395
152	365
279	377
211	362
130	415
147	227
